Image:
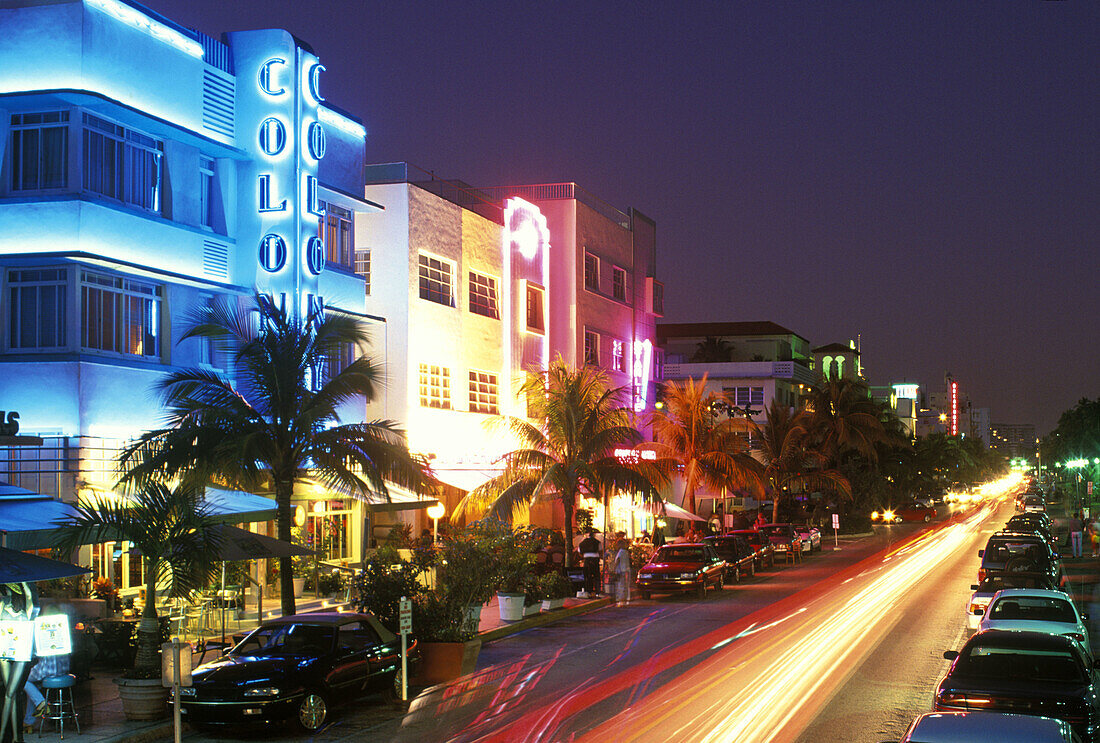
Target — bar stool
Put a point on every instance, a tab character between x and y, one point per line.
59	702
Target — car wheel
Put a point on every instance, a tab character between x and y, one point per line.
393	691
721	583
927	518
312	711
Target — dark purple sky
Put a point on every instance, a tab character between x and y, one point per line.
923	174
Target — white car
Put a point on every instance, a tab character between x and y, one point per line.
811	537
1036	610
988	727
984	591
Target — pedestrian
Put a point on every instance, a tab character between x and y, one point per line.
1076	533
620	572
1093	531
590	555
47	666
760	520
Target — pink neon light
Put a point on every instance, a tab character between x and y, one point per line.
954	408
643	363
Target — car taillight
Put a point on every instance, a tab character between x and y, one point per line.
981	574
975	608
1076	636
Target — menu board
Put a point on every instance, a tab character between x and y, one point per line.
51	635
16	639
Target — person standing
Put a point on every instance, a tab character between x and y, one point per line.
1076	533
590	555
620	567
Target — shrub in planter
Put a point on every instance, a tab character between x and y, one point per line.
381	584
330	582
554	585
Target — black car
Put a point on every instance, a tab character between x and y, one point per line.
762	547
1030	673
739	555
295	668
1019	552
1028	523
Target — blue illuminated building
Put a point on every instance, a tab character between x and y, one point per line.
146	168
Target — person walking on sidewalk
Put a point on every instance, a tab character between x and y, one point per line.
1076	533
589	548
620	571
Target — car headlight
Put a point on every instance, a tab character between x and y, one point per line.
888	516
874	515
262	691
689	576
645	575
187	691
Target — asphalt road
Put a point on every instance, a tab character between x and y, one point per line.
799	652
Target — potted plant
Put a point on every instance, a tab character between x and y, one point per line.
468	569
515	563
554	589
302	570
448	645
171	530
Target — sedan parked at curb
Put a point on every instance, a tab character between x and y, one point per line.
810	535
784	538
762	547
739	556
983	592
1029	673
295	669
1036	610
682	567
975	727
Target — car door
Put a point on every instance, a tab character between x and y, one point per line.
355	641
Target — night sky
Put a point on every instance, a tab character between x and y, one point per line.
922	174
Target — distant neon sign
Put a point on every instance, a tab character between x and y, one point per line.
954	408
643	363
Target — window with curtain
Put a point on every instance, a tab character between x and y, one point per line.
119	315
121	164
39	151
36	308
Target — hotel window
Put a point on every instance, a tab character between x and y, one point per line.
618	283
122	164
209	353
483	295
39	151
435	386
618	355
483	393
435	281
746	396
338	234
119	315
206	192
658	298
591	348
591	272
536	321
36	308
362	267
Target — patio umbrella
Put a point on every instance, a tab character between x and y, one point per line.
21	567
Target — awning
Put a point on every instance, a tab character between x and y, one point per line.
466	479
400	499
20	567
26	518
671	510
236	507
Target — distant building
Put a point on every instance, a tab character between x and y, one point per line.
837	361
903	398
1015	440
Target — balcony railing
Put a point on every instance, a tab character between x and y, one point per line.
740	370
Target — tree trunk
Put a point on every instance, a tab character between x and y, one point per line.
284	489
567	504
689	487
147	659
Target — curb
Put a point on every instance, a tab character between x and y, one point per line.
543	618
158	731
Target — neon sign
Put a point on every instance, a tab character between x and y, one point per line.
643	363
954	408
136	19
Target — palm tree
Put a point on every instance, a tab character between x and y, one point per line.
170	528
712	349
790	461
698	443
845	418
568	451
275	421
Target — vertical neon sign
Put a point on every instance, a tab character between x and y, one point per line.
525	257
639	373
954	408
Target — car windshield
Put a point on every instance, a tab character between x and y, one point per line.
727	546
286	639
776	531
995	662
679	554
1005	551
1033	608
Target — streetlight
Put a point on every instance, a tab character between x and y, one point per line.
436	512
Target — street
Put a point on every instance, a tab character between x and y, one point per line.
845	646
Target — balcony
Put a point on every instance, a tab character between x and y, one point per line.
790	370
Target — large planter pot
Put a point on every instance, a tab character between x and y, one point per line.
551	604
299	587
446	661
511	606
471	620
143	699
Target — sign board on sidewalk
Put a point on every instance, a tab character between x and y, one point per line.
51	635
168	656
836	521
404	616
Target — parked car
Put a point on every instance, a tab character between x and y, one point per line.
762	547
1029	522
295	669
811	535
1033	504
983	592
1036	610
905	512
784	538
1030	673
682	567
991	727
1019	552
739	556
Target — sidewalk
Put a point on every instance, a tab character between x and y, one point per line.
100	710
